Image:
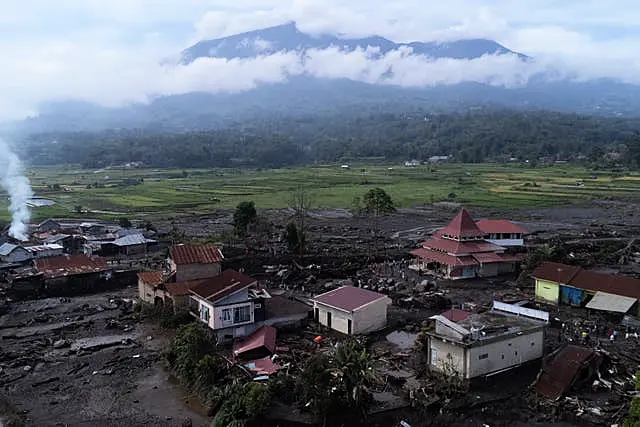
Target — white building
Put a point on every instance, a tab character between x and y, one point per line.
487	343
226	304
412	163
502	232
45	251
351	310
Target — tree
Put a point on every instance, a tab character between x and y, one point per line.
376	203
78	209
292	237
244	215
301	202
124	222
336	384
633	417
186	350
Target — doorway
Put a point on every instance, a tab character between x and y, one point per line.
316	315
349	323
329	319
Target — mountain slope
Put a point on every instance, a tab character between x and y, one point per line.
288	38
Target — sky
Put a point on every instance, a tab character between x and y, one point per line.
111	51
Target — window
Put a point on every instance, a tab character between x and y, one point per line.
204	313
516	353
242	314
226	316
502	356
483	356
532	343
257	305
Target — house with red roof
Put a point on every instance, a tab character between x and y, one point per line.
502	232
351	310
461	251
192	262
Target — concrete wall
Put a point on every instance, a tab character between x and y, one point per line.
547	291
217	321
488	270
196	271
504	354
339	319
371	317
241	296
446	355
145	293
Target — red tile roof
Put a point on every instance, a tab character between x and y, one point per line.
348	298
263	337
195	254
151	278
461	226
555	272
443	258
456	315
69	265
455	247
490	257
179	289
559	376
489	226
215	288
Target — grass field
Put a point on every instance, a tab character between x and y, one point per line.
166	193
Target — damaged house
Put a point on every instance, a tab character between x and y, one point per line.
572	285
192	262
488	343
461	250
13	254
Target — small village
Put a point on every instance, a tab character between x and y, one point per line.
469	322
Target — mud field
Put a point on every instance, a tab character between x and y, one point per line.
88	360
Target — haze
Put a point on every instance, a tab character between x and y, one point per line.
111	52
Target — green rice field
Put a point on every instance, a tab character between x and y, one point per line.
165	193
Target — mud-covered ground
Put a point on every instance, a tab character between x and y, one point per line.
50	376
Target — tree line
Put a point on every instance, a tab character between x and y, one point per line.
472	137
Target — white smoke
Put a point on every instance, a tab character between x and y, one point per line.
17	185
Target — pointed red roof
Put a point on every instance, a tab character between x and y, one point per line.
461	226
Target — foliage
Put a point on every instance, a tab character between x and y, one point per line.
633	417
470	137
301	202
377	202
293	237
554	251
243	404
208	372
186	349
336	385
244	215
125	222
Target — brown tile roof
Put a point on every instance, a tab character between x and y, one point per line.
195	254
69	265
151	278
348	298
456	315
214	289
555	272
265	336
179	289
588	280
617	285
559	376
455	247
462	225
443	258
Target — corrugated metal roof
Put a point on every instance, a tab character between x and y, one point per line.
559	376
195	254
132	240
56	238
609	302
348	298
264	336
179	288
42	248
68	265
489	226
7	248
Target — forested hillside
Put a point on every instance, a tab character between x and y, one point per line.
471	137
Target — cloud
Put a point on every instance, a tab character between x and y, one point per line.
110	52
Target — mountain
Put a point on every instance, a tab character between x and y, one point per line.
305	94
289	38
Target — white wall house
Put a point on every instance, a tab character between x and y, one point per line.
45	251
351	310
488	343
225	304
